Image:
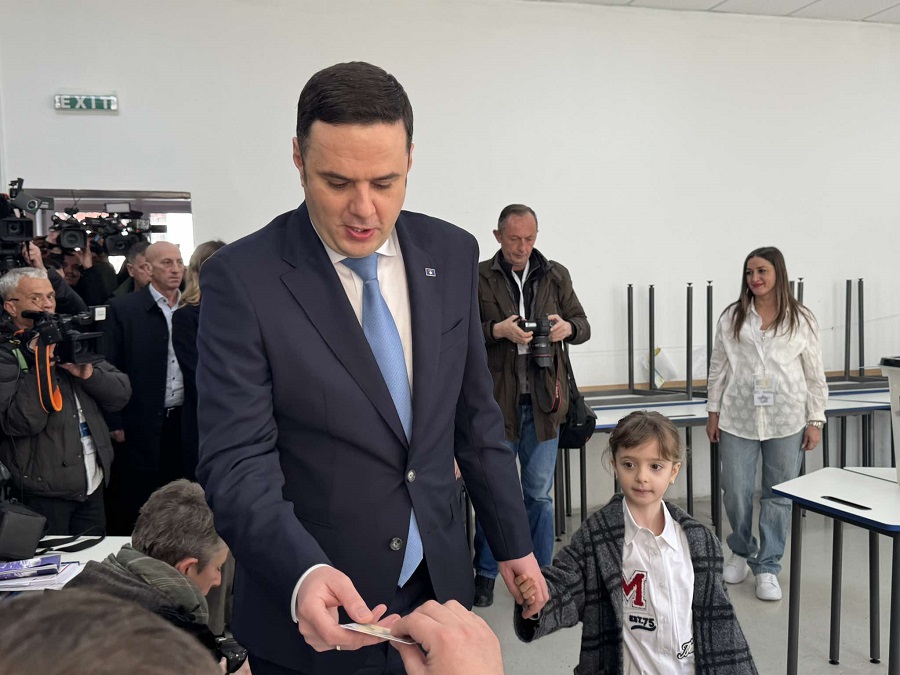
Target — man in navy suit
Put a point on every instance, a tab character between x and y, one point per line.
330	475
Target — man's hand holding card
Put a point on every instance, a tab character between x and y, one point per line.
320	595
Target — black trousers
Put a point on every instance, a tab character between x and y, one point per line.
382	658
67	516
129	487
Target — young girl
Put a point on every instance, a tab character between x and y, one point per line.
643	577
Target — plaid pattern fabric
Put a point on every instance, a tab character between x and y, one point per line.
585	583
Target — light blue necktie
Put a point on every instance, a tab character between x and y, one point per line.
384	339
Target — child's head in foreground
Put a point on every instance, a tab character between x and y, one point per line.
646	453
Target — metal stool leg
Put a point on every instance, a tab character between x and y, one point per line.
559	498
688	437
874	601
837	557
583	464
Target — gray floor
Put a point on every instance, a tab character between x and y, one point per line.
764	623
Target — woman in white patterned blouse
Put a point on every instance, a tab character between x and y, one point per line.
767	395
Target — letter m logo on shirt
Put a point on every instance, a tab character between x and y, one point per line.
634	589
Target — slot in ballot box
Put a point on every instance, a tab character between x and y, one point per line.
890	366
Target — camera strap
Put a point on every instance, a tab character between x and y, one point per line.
48	390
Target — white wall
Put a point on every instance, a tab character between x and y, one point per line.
656	147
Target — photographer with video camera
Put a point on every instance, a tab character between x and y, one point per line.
53	386
18	247
528	307
92	278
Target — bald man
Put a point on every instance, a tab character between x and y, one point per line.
147	433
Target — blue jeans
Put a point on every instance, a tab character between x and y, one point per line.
538	463
781	462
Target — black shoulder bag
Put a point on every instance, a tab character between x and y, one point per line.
581	421
20	528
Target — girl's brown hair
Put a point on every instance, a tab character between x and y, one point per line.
641	426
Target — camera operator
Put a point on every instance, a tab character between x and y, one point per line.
89	276
67	300
528	307
60	458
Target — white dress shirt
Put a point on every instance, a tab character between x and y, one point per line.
392	281
174	378
792	363
658	580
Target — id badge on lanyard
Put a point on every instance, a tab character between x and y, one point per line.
765	384
765	387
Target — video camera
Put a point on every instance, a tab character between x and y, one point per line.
16	228
72	345
118	231
541	351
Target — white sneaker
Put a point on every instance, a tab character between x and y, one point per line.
736	569
767	587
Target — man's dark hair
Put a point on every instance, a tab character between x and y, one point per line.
77	632
352	93
514	210
136	249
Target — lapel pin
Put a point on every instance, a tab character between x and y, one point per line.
429	272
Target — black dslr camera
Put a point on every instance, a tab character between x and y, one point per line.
541	351
72	346
234	654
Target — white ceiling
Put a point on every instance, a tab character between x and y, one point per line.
870	11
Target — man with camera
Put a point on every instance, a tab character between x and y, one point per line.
56	442
528	307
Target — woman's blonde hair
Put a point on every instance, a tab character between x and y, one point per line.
191	294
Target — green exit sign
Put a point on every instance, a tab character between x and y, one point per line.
85	102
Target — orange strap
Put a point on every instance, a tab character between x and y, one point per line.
42	370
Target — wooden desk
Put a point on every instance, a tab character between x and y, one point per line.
858	499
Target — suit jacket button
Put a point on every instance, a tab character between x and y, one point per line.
396	544
411	475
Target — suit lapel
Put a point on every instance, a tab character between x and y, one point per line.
315	285
425	313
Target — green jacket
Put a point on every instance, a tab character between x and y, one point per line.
553	294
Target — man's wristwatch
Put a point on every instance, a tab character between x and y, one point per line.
818	424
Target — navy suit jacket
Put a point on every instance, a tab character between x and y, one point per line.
302	452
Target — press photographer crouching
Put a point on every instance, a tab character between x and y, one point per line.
174	560
53	388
